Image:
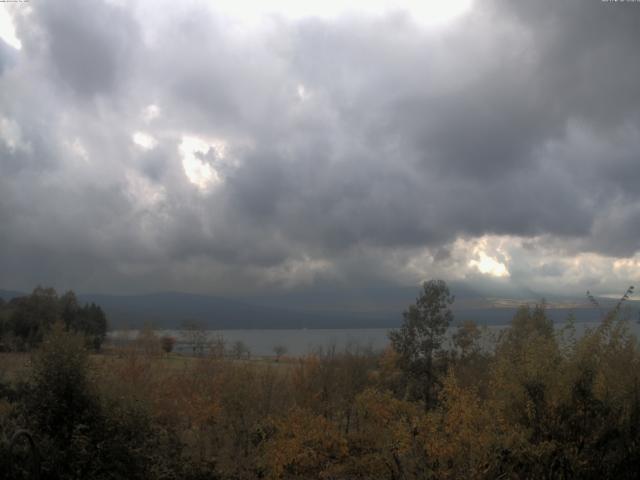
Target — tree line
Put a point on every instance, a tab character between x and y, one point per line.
26	320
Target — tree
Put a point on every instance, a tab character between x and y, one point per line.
34	315
82	430
240	349
195	334
61	396
466	338
93	323
304	445
167	342
421	335
526	324
218	346
30	318
279	350
89	319
69	310
147	341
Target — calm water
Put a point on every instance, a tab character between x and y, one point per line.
301	342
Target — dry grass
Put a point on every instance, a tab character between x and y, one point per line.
16	366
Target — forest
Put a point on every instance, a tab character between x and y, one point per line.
25	320
534	402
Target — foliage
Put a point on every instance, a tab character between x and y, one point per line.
25	321
32	316
304	445
466	339
420	338
60	397
88	320
82	434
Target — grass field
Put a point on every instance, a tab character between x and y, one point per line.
16	366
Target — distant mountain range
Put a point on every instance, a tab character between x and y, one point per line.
7	295
369	308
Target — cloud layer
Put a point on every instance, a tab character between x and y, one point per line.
142	150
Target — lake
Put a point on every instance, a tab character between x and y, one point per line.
304	341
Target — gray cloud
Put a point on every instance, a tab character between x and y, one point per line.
352	145
89	44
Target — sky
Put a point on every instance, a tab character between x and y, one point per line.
235	147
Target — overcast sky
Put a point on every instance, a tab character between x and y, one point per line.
234	146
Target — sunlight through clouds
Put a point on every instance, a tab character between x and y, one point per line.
302	93
200	172
144	140
489	266
7	28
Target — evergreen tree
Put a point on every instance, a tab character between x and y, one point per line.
420	338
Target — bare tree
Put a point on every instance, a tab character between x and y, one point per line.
218	346
147	341
239	349
279	350
196	336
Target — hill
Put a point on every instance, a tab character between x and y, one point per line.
372	308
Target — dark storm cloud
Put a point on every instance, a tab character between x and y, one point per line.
352	143
89	43
590	62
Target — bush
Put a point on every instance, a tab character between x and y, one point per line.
81	435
